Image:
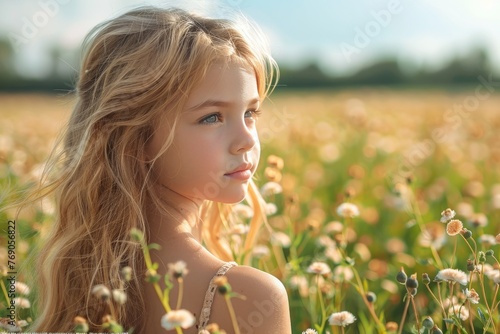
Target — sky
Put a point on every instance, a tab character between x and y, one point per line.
341	35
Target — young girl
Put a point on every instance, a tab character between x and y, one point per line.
162	135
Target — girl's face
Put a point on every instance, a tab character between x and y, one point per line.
216	149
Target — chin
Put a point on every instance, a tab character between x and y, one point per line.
235	197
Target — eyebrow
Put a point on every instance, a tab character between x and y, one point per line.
218	103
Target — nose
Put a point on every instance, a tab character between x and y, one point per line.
244	137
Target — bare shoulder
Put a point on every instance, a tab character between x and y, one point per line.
264	308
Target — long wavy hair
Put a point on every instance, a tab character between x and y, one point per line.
137	68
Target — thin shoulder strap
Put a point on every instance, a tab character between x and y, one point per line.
209	296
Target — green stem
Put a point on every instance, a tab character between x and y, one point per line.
481	281
403	319
416	312
453	257
471	323
4	289
232	314
418	218
181	292
490	320
321	304
467	242
440	302
380	326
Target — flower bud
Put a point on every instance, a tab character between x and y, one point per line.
401	277
436	330
470	265
411	282
371	297
152	276
490	252
426	279
81	325
101	292
126	273
466	233
136	235
222	285
482	257
428	323
119	296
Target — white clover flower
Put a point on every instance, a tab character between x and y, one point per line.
243	210
343	319
22	302
432	236
260	250
496	279
325	241
454	227
334	227
493	274
319	268
300	284
452	275
465	209
101	291
178	318
177	269
22	288
270	209
448	302
486	268
271	188
281	239
239	229
309	331
347	210
472	296
459	310
119	296
488	239
7	324
22	323
478	220
342	274
447	215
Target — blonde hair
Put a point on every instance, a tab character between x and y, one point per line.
137	69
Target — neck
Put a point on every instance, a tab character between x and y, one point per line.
178	217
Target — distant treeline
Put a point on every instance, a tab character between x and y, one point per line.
464	70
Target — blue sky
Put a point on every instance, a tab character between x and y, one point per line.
342	35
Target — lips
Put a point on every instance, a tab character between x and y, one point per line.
242	172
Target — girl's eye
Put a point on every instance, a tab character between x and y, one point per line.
252	114
211	119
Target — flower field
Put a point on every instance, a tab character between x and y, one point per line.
383	206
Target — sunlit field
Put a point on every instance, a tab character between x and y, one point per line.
358	183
